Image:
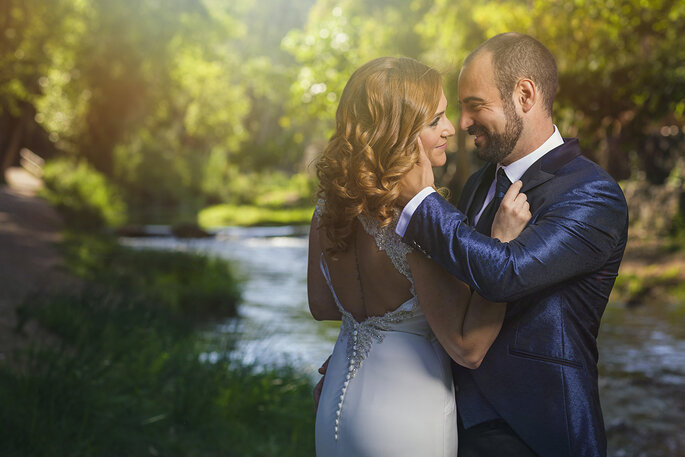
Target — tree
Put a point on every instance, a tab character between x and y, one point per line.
338	38
31	31
620	64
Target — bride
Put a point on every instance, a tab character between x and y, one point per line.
388	388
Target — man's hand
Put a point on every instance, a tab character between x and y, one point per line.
513	214
319	385
418	178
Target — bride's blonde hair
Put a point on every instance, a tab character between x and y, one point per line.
382	110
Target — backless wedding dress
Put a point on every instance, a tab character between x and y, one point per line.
388	390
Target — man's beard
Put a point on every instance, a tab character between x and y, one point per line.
499	145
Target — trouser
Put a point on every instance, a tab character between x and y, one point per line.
492	439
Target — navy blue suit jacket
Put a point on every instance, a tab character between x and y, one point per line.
540	374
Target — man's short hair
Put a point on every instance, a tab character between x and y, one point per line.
516	56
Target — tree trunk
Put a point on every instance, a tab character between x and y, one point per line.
11	152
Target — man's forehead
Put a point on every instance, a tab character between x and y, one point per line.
476	89
478	63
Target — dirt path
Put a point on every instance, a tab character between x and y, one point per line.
29	261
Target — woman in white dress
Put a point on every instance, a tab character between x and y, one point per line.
388	387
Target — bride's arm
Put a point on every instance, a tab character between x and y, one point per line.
463	326
466	324
321	303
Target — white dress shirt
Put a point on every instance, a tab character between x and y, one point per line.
514	172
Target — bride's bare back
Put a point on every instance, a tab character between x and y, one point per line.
364	278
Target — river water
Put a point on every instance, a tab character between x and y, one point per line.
642	350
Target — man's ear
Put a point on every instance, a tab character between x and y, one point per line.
526	94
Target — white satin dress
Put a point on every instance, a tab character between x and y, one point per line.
388	390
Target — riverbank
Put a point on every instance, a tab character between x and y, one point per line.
133	377
651	272
124	368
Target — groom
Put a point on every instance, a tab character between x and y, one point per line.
536	391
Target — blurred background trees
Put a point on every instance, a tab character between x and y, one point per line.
181	104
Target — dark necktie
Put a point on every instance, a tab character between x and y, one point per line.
484	225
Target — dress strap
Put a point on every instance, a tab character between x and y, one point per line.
327	275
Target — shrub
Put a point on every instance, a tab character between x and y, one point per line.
127	378
272	189
82	195
192	286
127	372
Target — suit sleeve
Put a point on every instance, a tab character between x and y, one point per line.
573	235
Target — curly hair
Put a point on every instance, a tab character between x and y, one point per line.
382	110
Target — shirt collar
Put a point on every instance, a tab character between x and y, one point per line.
515	170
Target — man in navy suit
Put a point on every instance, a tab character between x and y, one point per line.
536	391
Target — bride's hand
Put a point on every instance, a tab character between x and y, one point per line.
512	215
418	178
319	385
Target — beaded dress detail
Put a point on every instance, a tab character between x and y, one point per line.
361	335
388	388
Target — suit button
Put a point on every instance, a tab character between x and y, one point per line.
456	388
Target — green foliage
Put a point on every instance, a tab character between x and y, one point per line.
269	142
126	373
261	199
193	286
174	99
620	68
225	214
128	380
338	38
677	232
82	195
32	32
271	189
652	283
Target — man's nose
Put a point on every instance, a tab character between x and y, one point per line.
465	121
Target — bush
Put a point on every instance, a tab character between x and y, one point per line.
82	195
272	189
272	198
244	215
192	286
127	373
130	379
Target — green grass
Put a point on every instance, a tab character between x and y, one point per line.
246	215
651	283
126	376
193	284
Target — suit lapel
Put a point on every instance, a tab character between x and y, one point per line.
546	167
540	172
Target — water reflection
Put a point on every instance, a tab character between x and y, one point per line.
642	350
642	379
274	325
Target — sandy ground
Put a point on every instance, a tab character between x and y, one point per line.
29	261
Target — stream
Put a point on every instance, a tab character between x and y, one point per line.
642	349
